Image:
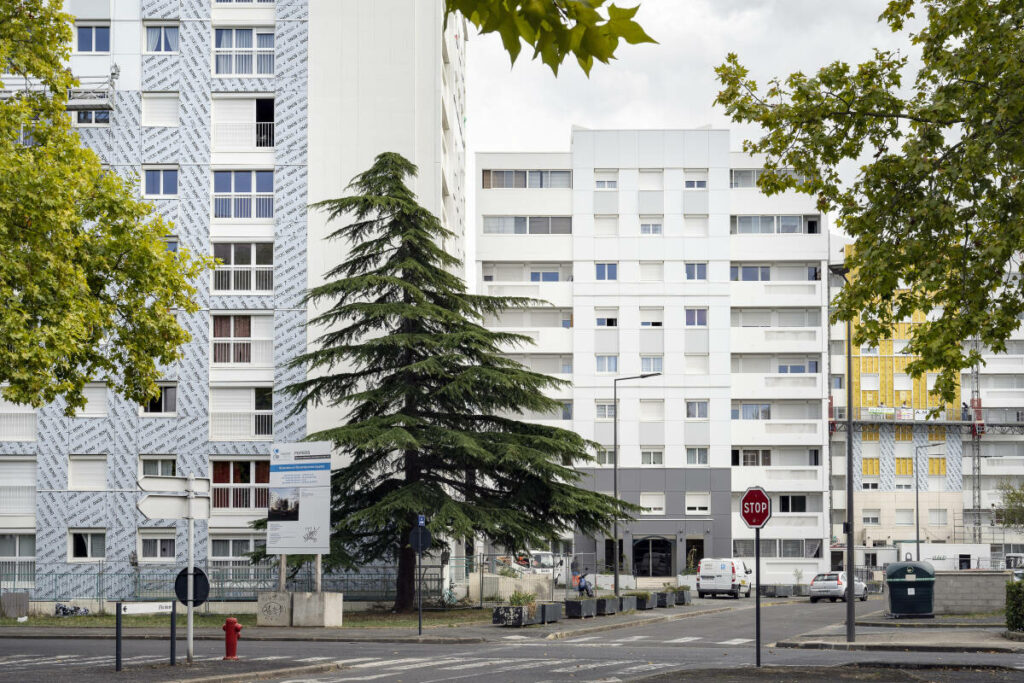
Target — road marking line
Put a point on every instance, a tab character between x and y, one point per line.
313	659
593	644
687	639
588	666
735	641
378	662
418	665
361	678
580	640
630	639
341	661
650	666
487	662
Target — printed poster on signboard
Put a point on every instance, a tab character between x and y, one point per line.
299	510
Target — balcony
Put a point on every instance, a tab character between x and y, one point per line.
546	339
243	137
243	425
779	478
17	499
777	386
18	425
248	206
776	340
780	293
782	432
243	279
556	293
250	353
792	247
240	497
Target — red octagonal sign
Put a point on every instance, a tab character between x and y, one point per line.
755	507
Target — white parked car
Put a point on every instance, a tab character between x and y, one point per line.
832	586
726	576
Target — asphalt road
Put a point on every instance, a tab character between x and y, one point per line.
717	641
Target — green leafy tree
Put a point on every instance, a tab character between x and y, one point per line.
88	289
432	403
1010	511
555	29
935	207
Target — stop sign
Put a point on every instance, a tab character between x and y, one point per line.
755	507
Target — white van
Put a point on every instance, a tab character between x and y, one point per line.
729	576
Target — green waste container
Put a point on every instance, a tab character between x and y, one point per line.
911	587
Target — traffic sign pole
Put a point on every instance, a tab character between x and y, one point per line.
757	583
756	510
191	566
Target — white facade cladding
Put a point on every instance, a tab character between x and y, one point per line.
657	253
234	115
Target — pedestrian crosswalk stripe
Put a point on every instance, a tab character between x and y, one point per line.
407	660
630	639
587	666
473	665
687	639
735	641
580	640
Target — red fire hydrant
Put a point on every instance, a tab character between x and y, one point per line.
231	630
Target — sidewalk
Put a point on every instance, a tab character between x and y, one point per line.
964	639
470	633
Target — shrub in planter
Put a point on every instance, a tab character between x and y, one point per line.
627	603
643	600
581	608
1015	606
607	606
665	599
522	610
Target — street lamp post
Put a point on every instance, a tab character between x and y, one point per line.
851	633
615	463
917	495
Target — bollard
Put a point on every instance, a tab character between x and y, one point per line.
231	631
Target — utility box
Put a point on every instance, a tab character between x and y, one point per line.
911	588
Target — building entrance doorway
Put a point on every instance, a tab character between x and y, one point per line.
694	554
652	557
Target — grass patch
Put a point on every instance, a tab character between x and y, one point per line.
410	620
130	620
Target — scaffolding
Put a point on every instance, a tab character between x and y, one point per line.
90	93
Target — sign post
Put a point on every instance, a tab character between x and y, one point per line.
756	510
420	540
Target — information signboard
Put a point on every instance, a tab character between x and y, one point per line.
299	513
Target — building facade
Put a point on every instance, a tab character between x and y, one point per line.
658	254
234	115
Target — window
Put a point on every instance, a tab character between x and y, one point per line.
869	467
87	545
650	363
792	503
751	411
652	410
523	225
695	363
697	455
696	271
240	484
750	225
903	484
243	195
566	410
869	382
607	317
743	178
160	109
544	276
868	350
869	432
904	517
751	457
937	467
652	503
750	273
156	545
652	456
651	317
605	456
172	243
244	267
792	547
606	226
901	381
95	401
158	465
606	184
836	381
15	547
605	410
698	503
92	117
607	179
695	179
696	410
607	271
904	467
164	404
161	39
696	317
651	179
93	38
904	432
869	517
87	472
937	517
233	551
607	363
695	226
650	225
237	53
241	413
550	179
743	547
869	485
243	339
652	271
797	366
17	487
161	182
566	320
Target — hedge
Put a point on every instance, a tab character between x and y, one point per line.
1015	606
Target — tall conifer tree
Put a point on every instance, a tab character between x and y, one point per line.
432	403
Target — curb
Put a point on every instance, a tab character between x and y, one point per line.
894	647
264	675
897	623
1013	635
562	635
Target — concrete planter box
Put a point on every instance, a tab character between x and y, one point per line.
550	611
801	589
317	609
783	591
643	603
274	608
768	591
519	615
664	599
607	606
683	597
627	603
581	609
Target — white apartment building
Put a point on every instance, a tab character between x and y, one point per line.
235	115
657	253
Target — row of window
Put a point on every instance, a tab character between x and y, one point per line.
498	179
693	270
653	503
904	517
153	545
903	467
247	194
778	547
655	455
609	225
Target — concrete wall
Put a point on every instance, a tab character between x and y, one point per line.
970	592
505	586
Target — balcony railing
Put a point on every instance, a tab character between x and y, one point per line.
992	416
243	279
243	136
243	206
251	352
242	425
241	496
240	61
17	574
20	426
17	499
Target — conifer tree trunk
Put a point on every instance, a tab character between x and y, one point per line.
405	589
